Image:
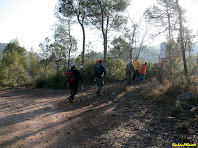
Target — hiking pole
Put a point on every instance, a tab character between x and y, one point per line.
82	86
105	81
82	90
104	88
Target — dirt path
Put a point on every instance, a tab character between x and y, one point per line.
120	118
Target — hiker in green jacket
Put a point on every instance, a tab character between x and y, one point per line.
129	70
99	76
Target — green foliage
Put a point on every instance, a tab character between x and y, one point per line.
33	64
13	71
182	82
45	49
13	67
107	9
14	46
90	56
59	56
73	8
120	49
41	83
192	65
88	70
115	69
151	71
53	82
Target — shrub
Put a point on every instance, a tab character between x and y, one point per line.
88	70
41	83
57	82
54	82
115	69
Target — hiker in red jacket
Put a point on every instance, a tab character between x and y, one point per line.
142	72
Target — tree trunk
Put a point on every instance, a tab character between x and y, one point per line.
45	69
83	47
142	41
83	51
69	48
170	49
130	54
104	33
68	64
132	41
169	26
105	48
182	39
58	67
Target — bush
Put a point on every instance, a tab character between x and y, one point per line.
54	82
116	69
41	83
57	82
89	69
151	71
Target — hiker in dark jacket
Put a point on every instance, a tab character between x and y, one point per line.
99	76
74	85
129	70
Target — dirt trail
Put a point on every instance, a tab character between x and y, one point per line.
120	118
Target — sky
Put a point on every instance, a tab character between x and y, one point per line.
30	21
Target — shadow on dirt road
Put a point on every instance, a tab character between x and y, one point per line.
118	118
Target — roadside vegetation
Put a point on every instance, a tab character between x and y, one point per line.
155	111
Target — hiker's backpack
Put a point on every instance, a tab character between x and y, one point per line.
99	72
70	77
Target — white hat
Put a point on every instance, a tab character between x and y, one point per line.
73	65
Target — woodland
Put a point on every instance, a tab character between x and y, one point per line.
158	113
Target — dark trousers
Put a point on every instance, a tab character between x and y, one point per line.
74	89
129	78
136	73
100	83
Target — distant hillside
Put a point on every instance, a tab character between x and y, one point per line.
195	51
151	54
2	47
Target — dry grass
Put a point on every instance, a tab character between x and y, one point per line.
194	84
157	92
167	92
114	89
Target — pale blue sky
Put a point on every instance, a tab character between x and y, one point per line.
27	20
30	21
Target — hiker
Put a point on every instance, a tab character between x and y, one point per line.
99	76
142	72
72	80
129	70
137	67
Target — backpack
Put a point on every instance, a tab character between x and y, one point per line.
99	71
70	77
